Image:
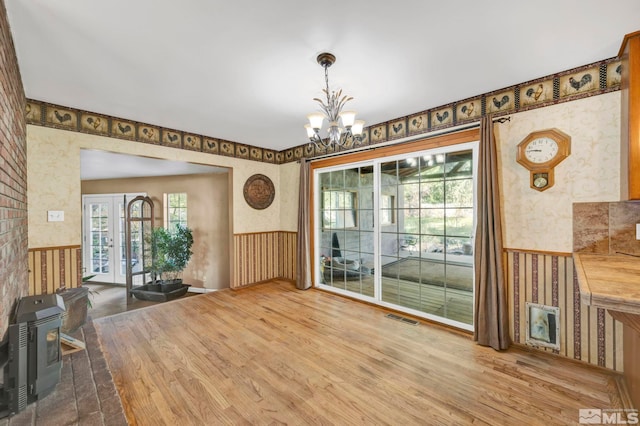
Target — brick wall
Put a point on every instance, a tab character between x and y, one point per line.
14	279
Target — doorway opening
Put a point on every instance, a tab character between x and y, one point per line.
106	178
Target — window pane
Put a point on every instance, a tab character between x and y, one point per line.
459	222
176	210
409	195
432	221
432	193
340	209
459	193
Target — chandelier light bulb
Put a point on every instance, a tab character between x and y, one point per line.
357	127
316	120
310	132
348	118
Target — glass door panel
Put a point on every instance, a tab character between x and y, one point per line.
346	232
99	232
432	269
104	232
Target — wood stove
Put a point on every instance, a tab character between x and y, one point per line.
34	359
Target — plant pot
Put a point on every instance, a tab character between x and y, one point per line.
165	286
160	292
170	285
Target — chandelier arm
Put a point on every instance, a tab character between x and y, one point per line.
318	141
344	137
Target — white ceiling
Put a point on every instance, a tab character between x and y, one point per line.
109	165
246	70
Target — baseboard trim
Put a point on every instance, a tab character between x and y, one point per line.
203	290
264	282
625	398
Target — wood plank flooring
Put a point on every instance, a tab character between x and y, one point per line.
271	354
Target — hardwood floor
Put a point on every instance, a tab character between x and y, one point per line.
271	354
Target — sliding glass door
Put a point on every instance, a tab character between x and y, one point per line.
398	231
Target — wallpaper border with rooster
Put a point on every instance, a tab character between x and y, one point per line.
588	80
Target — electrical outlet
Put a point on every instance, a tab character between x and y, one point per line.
637	231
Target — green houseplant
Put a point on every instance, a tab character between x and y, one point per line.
171	252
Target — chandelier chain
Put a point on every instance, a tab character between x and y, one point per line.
326	81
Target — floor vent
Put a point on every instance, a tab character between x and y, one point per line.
403	319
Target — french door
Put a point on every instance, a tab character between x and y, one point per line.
104	237
398	231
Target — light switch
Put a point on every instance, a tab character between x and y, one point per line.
55	216
637	231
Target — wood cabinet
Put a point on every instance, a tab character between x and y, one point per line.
611	282
630	117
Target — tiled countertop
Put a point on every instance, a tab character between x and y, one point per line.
610	282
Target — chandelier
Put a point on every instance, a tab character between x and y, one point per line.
332	111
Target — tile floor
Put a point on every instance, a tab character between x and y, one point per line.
110	299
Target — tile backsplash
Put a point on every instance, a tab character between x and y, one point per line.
606	228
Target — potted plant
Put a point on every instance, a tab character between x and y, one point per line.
171	252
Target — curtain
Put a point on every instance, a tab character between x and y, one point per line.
491	319
303	266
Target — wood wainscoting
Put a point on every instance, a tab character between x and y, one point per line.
52	268
586	333
263	256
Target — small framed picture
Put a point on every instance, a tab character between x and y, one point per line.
543	326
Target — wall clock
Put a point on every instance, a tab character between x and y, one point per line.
540	152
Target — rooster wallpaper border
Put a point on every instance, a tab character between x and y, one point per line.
588	80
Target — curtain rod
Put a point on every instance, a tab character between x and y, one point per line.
408	139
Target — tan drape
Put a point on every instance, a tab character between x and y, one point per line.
303	267
491	319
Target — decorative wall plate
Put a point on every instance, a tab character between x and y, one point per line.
259	191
